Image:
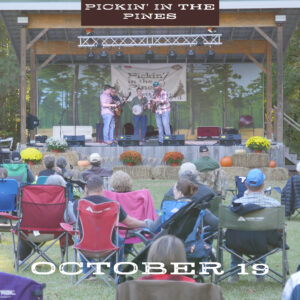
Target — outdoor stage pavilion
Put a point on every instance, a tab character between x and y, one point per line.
252	31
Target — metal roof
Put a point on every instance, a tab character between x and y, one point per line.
237	33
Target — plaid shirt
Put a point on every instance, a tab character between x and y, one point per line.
163	104
258	198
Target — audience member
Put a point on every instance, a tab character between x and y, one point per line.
292	287
167	249
16	159
61	163
95	161
188	171
252	242
205	162
121	182
3	173
49	162
94	191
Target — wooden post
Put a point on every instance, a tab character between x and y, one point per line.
280	83
33	91
269	92
75	99
23	87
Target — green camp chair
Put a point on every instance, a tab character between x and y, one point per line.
271	218
17	172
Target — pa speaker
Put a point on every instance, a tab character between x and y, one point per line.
230	139
128	140
75	140
173	140
31	122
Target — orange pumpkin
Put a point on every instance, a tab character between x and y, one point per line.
83	163
272	164
226	161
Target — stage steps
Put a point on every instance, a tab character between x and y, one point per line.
291	160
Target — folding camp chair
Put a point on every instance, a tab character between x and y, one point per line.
98	222
20	288
167	289
138	204
41	210
271	218
17	171
41	179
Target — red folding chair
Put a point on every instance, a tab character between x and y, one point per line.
41	210
97	223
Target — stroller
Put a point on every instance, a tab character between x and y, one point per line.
183	224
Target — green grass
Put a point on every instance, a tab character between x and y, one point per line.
60	287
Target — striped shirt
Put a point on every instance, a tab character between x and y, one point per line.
163	104
258	198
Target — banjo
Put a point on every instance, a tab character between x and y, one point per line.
138	109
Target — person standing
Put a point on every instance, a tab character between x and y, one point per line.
162	111
138	106
116	99
106	103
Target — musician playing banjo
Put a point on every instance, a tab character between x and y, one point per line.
138	106
162	111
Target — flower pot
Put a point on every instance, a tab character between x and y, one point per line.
56	151
174	164
30	162
129	164
257	151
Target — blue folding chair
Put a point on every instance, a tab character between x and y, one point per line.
8	193
42	179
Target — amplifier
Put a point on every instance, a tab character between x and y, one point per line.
208	132
230	139
41	138
230	130
173	140
75	140
128	140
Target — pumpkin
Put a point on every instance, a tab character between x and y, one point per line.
83	163
272	164
226	161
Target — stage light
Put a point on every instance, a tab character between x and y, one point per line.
90	56
212	30
172	56
210	55
89	31
103	56
191	54
119	56
149	54
99	45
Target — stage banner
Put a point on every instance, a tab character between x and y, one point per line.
126	78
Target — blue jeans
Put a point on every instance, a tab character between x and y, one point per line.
143	120
163	124
235	261
108	127
112	260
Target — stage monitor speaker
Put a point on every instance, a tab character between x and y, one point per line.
230	130
230	139
31	122
41	138
75	140
128	140
173	140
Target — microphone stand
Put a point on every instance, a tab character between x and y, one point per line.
60	121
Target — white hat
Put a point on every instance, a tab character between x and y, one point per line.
95	157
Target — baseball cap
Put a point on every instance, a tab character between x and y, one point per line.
255	177
15	156
95	157
155	83
203	149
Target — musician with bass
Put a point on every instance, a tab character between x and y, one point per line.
138	106
108	116
161	106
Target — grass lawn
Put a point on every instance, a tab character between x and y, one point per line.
59	286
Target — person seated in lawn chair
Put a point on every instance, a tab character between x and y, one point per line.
94	192
249	242
210	172
188	171
121	182
49	162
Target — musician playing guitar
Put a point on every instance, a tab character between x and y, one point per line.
107	114
117	112
162	111
138	106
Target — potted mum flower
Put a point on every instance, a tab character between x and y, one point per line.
258	144
31	156
173	158
56	144
131	158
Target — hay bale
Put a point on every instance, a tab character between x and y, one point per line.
231	172
165	172
250	160
136	172
276	173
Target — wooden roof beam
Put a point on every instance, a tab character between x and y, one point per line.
238	19
228	47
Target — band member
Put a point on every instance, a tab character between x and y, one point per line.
162	111
138	106
107	114
116	99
